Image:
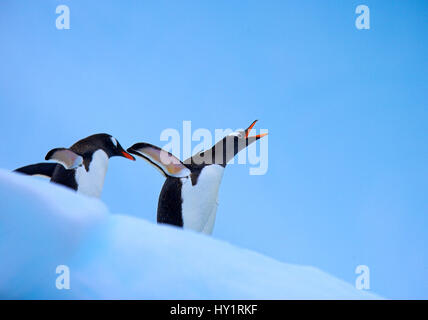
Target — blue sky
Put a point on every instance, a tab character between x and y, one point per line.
346	111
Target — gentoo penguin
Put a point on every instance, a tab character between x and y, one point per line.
189	196
83	166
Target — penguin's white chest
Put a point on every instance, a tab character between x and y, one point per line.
91	182
200	201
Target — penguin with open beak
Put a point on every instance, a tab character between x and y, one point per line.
189	196
83	166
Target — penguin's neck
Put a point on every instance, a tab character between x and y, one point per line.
91	181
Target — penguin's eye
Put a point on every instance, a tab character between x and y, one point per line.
241	134
114	141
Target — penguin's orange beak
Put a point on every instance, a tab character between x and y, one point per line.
128	156
256	137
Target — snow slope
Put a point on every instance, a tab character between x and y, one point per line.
43	225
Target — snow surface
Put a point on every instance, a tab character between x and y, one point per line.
113	256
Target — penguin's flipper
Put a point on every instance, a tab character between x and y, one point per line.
38	169
69	159
167	163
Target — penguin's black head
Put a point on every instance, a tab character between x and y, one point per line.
224	150
101	141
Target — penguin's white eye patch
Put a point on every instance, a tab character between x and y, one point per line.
240	134
114	141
